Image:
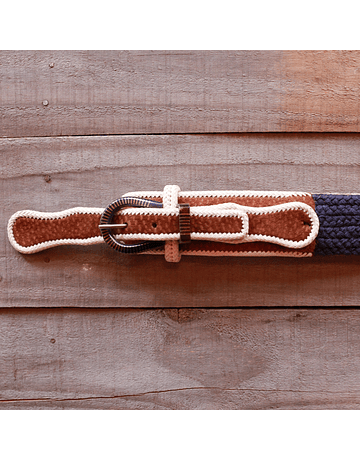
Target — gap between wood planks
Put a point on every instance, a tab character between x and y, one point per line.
174	390
51	174
179	358
212	133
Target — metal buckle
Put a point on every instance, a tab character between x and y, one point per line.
106	225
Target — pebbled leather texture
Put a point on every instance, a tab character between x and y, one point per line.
30	231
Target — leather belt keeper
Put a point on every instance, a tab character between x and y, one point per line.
184	223
215	223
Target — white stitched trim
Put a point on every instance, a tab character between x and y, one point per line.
147	237
170	196
221	193
315	224
150	211
51	216
53	243
203	211
225	209
170	201
222	210
55	215
293	206
236	210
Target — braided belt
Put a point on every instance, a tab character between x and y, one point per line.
216	223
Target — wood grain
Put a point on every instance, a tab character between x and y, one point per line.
179	359
52	174
55	93
55	108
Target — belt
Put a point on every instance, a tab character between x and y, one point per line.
213	223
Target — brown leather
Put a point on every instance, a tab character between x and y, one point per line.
242	247
293	225
29	231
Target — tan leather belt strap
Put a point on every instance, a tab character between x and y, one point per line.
242	223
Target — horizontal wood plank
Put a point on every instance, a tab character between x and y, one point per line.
54	93
179	359
52	174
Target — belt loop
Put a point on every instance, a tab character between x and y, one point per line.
184	223
170	200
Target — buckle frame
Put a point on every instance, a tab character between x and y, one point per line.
106	225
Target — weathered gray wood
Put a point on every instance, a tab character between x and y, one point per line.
51	93
92	171
179	359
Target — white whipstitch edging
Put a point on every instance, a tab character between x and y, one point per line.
170	201
51	216
222	210
221	193
239	211
55	215
170	195
211	211
53	243
292	206
254	210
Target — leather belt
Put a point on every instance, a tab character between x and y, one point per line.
215	223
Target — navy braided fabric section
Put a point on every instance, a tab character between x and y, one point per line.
339	231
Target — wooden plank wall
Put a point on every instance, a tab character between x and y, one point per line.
179	359
82	128
178	92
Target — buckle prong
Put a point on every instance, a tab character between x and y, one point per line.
113	226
